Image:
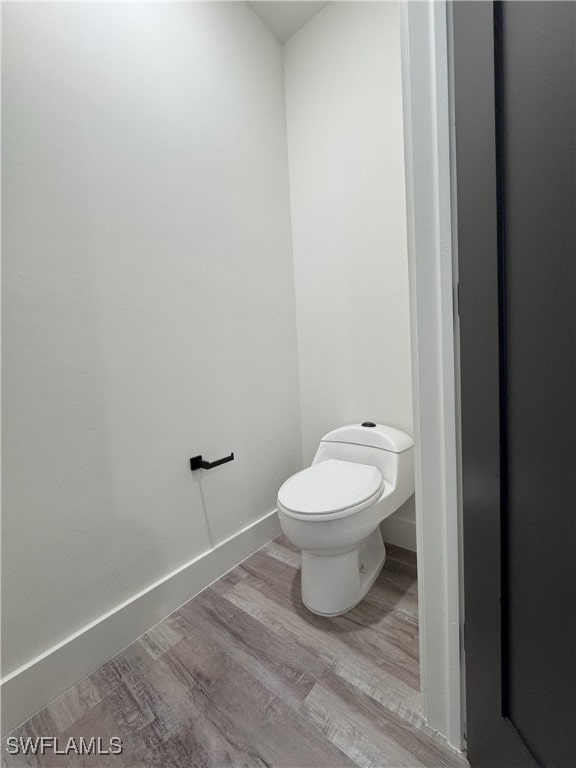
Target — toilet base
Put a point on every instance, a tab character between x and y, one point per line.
333	584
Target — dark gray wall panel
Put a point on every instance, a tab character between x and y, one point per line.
538	77
514	90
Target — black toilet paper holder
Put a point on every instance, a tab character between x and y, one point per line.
197	462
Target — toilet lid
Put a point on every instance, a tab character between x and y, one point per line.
330	486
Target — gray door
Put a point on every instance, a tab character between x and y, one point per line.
515	91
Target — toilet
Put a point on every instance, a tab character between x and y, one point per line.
332	511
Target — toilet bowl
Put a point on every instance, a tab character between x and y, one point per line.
332	511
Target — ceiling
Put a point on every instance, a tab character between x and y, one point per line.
283	19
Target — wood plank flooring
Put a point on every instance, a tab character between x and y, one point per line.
243	675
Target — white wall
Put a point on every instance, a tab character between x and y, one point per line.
149	300
345	142
431	227
149	309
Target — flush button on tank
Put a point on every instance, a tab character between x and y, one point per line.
368	424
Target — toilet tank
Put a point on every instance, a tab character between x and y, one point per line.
386	448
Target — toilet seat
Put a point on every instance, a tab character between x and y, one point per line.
330	486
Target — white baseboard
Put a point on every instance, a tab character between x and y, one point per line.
399	531
34	685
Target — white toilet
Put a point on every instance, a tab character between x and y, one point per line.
332	511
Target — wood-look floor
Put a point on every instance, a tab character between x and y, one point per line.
243	675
